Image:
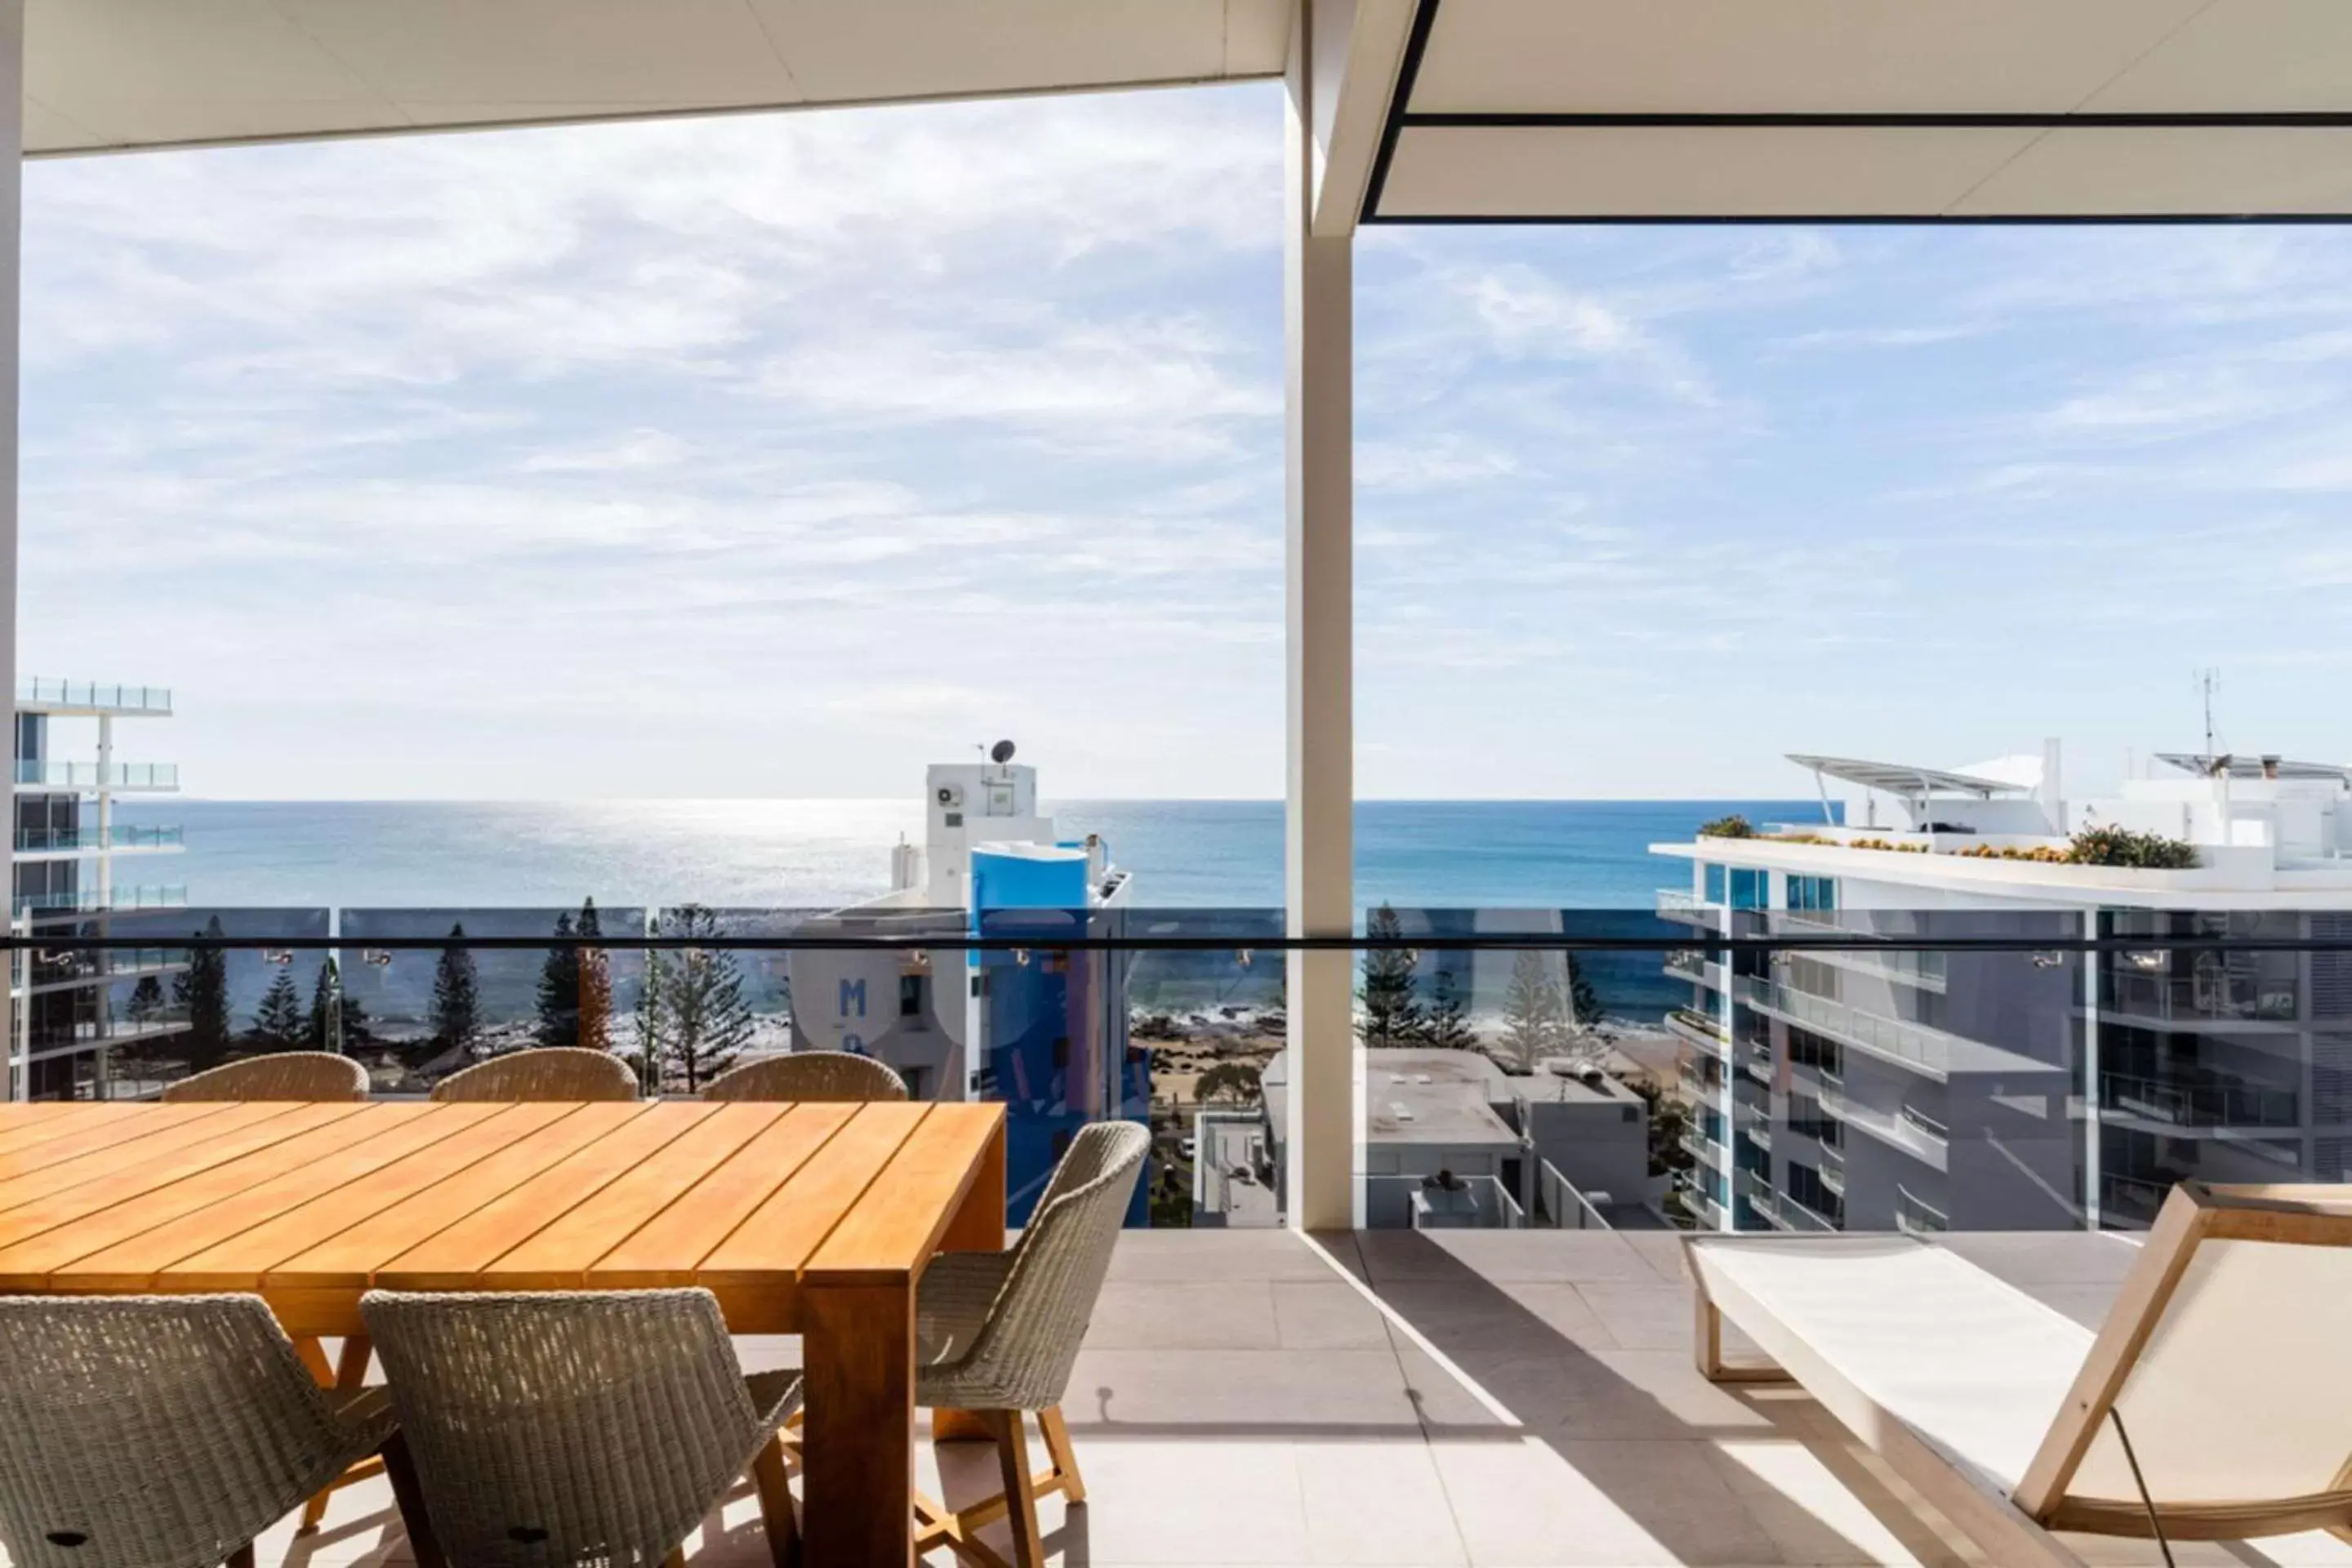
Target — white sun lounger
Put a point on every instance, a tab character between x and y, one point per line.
2227	1356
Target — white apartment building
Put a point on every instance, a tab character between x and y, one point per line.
77	1010
1980	1090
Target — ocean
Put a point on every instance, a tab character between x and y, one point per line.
819	854
275	868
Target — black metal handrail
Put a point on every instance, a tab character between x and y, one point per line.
1041	942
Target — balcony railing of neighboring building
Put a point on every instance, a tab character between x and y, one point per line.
1689	963
1697	1081
1706	1148
2194	1102
2210	998
1918	1216
1708	1028
98	775
1925	971
101	900
1682	904
2135	1200
1900	1130
87	1034
86	840
1915	1045
39	692
59	971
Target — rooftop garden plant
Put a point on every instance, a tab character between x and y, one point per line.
1732	826
2139	852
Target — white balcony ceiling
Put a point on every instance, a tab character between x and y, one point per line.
114	74
1872	108
1574	110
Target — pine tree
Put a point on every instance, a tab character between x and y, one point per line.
326	1031
596	982
1446	1026
146	999
456	995
559	989
1583	1001
693	1020
279	1023
203	989
355	1020
1391	1013
1535	1013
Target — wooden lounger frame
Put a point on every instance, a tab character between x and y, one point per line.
2015	1529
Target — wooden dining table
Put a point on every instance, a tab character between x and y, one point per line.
810	1219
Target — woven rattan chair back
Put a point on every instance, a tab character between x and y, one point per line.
555	1072
156	1431
1021	1356
811	1076
281	1075
565	1428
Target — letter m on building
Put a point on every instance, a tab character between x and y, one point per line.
852	995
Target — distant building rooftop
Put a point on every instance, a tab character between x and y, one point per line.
1421	1097
1563	1082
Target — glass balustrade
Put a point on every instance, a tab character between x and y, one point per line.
1514	1074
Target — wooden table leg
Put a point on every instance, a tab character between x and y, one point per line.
978	1226
859	1457
349	1373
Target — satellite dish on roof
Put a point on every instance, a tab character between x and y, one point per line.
1000	753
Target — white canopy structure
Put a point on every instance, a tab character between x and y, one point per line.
1400	111
1904	778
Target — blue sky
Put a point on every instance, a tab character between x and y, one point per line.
780	455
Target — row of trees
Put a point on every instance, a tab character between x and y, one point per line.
692	1018
1546	1011
332	1021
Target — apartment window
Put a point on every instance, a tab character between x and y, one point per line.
1750	889
1715	885
1817	893
1805	1185
911	995
1811	1050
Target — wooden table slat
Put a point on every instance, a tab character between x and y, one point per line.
347	1262
668	1249
58	1162
895	1225
773	1242
243	1159
179	1151
454	1258
559	1257
389	1133
22	1126
241	1261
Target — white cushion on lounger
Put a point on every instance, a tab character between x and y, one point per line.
1972	1365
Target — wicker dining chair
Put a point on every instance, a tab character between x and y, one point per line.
809	1075
162	1431
559	1428
280	1074
554	1072
1000	1330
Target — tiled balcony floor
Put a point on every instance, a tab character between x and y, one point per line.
1522	1399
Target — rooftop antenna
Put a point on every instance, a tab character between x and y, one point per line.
2208	682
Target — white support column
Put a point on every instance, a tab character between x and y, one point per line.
12	189
1318	284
